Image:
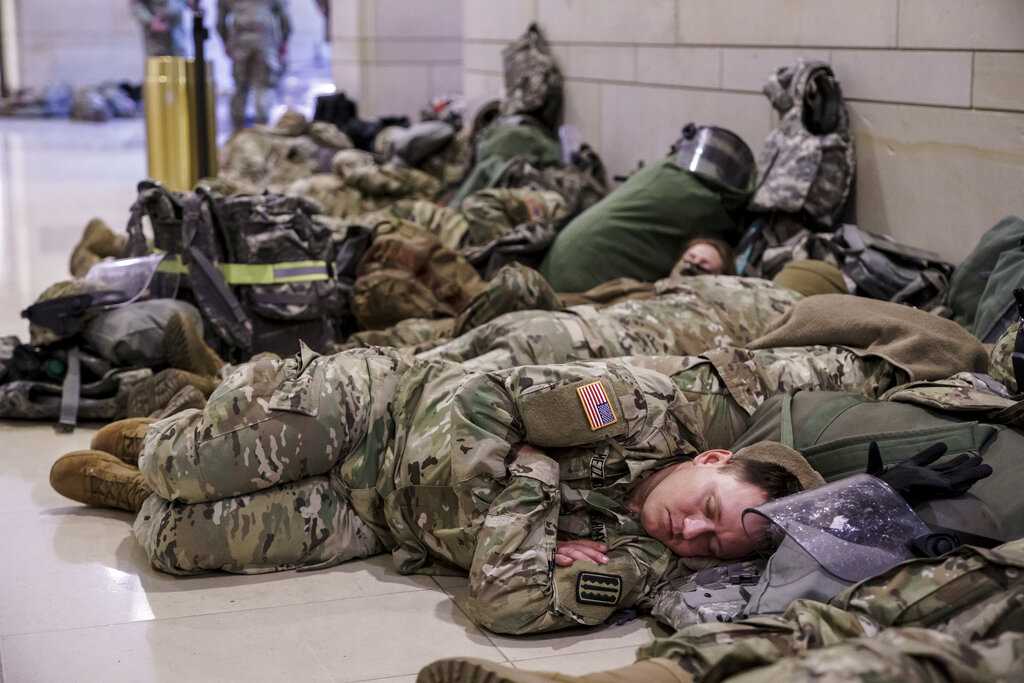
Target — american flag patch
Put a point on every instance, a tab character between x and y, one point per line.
596	406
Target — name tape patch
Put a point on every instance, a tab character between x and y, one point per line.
596	406
598	589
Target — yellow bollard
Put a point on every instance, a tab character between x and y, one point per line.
172	149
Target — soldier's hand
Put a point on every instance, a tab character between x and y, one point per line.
567	552
158	25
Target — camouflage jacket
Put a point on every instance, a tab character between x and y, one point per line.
487	470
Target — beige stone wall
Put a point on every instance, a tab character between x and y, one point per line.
393	56
935	89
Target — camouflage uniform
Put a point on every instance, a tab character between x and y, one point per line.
490	214
483	217
687	317
407	273
513	288
446	224
315	460
264	158
254	33
171	42
1001	358
956	618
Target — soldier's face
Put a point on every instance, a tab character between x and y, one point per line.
697	510
705	257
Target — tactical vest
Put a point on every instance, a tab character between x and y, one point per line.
533	81
807	163
833	430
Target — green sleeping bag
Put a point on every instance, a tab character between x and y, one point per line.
639	230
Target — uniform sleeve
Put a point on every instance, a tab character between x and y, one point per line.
515	586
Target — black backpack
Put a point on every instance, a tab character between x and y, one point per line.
887	270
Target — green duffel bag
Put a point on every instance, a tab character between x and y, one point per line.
833	431
639	230
981	289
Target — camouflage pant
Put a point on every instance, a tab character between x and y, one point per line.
255	67
513	288
249	484
490	214
957	618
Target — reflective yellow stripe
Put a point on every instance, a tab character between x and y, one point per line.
172	264
259	274
274	273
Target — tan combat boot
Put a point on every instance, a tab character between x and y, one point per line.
122	439
153	396
98	241
187	398
99	479
465	670
185	349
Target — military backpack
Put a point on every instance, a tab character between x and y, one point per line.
533	81
807	164
259	267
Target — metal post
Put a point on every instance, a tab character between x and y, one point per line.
199	36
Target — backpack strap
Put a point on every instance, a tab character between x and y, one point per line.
70	395
1017	357
787	420
218	303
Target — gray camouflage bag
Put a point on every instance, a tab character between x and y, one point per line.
807	164
533	81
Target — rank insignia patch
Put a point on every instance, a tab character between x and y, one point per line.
595	404
598	589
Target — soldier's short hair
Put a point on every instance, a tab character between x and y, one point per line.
725	252
776	481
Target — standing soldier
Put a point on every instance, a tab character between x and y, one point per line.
162	26
255	35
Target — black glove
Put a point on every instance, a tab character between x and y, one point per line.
918	480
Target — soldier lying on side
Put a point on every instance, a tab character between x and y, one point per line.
314	460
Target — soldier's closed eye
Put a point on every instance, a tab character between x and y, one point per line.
711	508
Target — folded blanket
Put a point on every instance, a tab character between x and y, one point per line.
924	345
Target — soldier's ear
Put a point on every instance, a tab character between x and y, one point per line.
716	456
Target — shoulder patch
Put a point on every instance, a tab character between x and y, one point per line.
598	589
596	405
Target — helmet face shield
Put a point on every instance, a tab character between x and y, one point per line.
718	155
136	279
854	528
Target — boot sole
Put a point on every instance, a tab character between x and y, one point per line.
184	348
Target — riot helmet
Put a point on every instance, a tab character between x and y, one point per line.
832	537
717	155
854	528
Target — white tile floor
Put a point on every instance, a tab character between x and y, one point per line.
78	601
